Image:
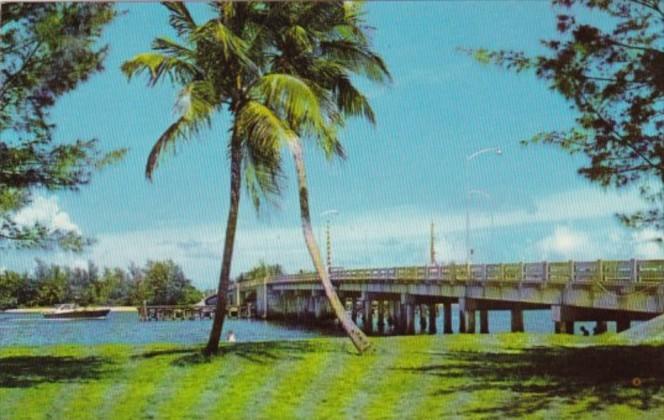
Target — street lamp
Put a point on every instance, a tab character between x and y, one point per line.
470	157
328	214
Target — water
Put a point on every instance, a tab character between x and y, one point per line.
125	328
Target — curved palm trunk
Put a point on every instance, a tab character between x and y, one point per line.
231	224
356	335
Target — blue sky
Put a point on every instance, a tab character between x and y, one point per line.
399	175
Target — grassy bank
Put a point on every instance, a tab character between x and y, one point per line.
496	376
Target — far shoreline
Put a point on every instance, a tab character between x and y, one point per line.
48	309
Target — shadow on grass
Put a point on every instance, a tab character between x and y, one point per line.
255	352
28	371
593	377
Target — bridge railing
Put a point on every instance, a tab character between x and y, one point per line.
625	271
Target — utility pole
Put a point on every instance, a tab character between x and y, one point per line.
329	246
432	249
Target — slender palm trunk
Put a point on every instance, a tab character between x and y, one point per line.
231	225
356	335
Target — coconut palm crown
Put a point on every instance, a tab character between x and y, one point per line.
280	71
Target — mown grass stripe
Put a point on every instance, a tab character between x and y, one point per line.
343	384
87	403
256	409
141	379
48	395
347	389
283	397
190	387
242	385
319	386
401	388
83	398
10	397
366	390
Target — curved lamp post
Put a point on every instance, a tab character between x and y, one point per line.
470	157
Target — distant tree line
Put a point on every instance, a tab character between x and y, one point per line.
261	271
157	283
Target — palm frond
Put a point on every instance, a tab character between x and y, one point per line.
196	105
261	127
263	174
357	58
233	47
180	18
172	48
290	97
350	101
158	65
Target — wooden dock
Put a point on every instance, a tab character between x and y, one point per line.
190	312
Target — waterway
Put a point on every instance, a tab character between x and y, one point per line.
124	327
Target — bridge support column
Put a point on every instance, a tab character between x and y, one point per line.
381	317
410	318
600	327
423	318
447	318
516	320
484	321
432	318
467	315
353	309
408	310
398	318
470	321
367	321
564	327
622	325
318	306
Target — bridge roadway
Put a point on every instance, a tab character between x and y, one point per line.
393	299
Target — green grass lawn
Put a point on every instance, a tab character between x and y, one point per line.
478	376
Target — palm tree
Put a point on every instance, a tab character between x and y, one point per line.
216	65
253	60
323	44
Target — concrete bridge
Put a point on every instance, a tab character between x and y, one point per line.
395	299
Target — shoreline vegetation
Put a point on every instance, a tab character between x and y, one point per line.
481	376
47	285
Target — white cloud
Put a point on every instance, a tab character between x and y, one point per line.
46	211
645	245
567	244
389	237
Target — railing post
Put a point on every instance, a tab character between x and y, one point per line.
484	273
600	270
572	272
545	274
265	280
502	272
634	270
522	271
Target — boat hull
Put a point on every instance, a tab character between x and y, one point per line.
85	314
